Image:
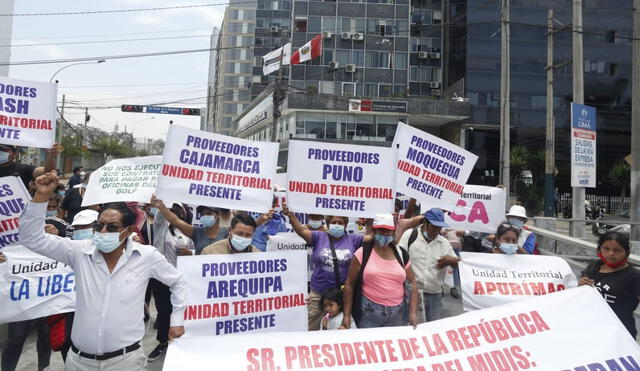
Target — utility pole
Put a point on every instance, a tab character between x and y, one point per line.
59	162
505	100
550	160
578	219
635	128
84	130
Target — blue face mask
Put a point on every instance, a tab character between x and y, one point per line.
61	193
240	243
106	242
51	213
336	230
508	248
383	240
315	224
4	157
153	211
208	220
516	222
83	234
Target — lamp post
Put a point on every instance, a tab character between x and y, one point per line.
61	126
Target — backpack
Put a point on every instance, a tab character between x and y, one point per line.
57	330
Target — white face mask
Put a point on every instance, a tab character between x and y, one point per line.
315	224
82	174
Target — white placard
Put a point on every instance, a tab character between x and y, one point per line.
34	286
340	179
521	336
248	292
480	209
431	170
13	199
216	170
126	179
27	112
488	280
291	241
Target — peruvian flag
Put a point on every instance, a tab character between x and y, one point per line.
310	50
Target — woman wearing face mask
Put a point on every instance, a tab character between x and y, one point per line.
331	248
379	271
506	240
209	233
615	279
517	216
315	222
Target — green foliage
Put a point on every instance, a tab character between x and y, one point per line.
528	191
620	175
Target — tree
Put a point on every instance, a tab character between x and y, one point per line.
620	176
527	176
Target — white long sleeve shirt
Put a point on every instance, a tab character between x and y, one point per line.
109	306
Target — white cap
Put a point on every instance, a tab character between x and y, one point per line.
384	221
85	217
519	211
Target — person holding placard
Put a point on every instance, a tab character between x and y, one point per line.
240	236
331	249
506	240
209	233
9	166
616	280
374	292
112	272
430	254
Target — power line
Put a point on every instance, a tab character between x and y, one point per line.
103	41
101	35
128	85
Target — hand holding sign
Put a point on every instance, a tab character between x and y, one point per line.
175	332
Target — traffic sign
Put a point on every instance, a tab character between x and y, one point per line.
161	110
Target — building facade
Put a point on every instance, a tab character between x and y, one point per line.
6	32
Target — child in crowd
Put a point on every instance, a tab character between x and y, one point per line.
331	304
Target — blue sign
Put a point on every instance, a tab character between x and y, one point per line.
164	110
583	117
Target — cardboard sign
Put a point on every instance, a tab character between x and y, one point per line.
13	199
340	179
494	279
431	170
520	336
217	170
34	286
127	179
480	209
27	112
248	292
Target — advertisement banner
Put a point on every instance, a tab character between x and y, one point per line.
494	279
13	199
217	170
27	112
249	292
126	179
431	170
479	209
520	336
33	286
583	146
340	179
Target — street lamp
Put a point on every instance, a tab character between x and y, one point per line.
75	64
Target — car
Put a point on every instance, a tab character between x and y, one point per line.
603	225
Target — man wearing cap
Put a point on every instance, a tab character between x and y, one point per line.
83	224
517	217
430	255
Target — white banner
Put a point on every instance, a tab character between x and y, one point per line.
291	241
126	179
27	112
527	335
248	292
13	199
340	179
431	170
479	209
33	286
216	170
494	279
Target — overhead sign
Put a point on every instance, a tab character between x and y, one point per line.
340	179
160	110
125	179
535	334
262	111
365	105
479	209
494	279
13	199
27	112
583	146
242	293
431	170
210	169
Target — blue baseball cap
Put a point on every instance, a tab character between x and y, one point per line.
435	216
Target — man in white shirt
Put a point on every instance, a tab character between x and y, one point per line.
430	255
112	273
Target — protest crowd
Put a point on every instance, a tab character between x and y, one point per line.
367	269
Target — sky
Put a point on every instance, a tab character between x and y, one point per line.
148	80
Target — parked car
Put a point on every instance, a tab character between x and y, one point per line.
602	225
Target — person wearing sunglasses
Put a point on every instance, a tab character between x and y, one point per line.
112	272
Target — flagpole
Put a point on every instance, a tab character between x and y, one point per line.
278	98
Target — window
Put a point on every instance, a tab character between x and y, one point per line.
345	24
329	24
358	58
327	56
300	24
365	126
315	125
402	28
314	25
327	87
230	108
377	59
343	57
387	127
370	90
300	118
373	26
400	61
348	89
385	90
332	127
